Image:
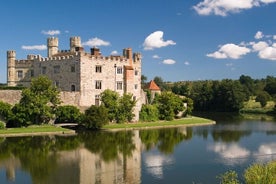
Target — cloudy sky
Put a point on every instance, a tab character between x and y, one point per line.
179	39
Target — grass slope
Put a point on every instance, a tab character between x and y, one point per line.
191	121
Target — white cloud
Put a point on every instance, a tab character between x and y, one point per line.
114	52
95	42
268	53
187	63
259	35
274	37
224	7
229	64
156	56
231	51
155	40
259	46
51	32
169	61
34	47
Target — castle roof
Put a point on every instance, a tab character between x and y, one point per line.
152	86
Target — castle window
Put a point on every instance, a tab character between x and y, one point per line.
56	83
57	69
98	84
73	68
97	100
98	69
136	86
119	70
73	87
134	98
19	74
136	72
43	70
32	73
119	85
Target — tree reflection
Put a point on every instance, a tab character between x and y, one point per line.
109	144
37	155
229	135
164	139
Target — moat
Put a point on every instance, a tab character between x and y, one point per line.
170	155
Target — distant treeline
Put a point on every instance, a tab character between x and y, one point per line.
225	95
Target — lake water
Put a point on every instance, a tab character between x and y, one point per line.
171	155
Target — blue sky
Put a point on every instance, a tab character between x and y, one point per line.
179	39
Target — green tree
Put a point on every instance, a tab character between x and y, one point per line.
95	117
68	114
5	111
169	105
143	80
38	103
110	101
149	113
125	108
160	82
263	97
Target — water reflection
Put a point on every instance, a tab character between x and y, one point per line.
155	163
168	155
230	154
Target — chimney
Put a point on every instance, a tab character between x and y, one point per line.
95	51
128	54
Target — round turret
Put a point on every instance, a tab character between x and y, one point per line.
11	55
52	44
75	42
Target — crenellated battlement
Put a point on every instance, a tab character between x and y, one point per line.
11	54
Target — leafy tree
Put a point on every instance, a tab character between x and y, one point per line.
169	105
229	96
149	113
270	85
120	109
95	117
110	101
5	111
160	82
68	114
125	108
181	89
143	80
263	97
38	103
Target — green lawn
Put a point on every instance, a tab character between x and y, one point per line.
33	130
179	122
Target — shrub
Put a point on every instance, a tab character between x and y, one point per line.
263	97
259	173
5	111
95	117
67	114
2	125
230	177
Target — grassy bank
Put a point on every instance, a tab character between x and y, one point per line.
34	130
254	107
191	121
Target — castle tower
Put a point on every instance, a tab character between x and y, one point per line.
11	55
52	44
75	43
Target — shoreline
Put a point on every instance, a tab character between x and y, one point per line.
65	133
158	127
184	122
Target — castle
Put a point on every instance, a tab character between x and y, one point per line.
80	76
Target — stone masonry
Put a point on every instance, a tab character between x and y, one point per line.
81	76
